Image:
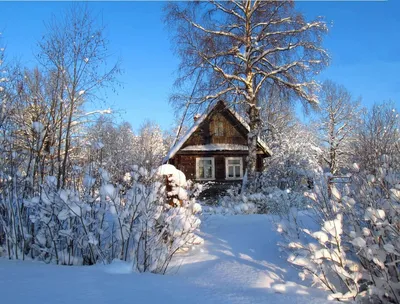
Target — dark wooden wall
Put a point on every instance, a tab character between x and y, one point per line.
205	134
187	163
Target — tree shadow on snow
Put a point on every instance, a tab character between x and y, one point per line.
241	252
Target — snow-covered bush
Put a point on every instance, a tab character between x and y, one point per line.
295	161
321	255
98	221
267	200
278	201
172	226
355	252
235	203
271	200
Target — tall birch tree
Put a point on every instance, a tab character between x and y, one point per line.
242	47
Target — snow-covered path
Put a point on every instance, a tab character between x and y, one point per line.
239	263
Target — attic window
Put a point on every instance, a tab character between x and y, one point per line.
219	128
205	168
234	167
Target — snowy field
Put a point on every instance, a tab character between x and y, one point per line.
239	263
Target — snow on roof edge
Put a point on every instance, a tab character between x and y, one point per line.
171	153
216	147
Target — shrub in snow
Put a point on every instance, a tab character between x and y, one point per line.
267	199
98	221
164	228
321	256
355	253
234	203
295	161
280	201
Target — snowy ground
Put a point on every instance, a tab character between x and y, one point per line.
239	263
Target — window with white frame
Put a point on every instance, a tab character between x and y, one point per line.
205	168
234	167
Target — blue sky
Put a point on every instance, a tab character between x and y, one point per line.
364	43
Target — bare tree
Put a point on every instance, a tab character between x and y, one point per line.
242	47
75	48
277	115
34	124
337	119
111	145
379	137
2	81
149	146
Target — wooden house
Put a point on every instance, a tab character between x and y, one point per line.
215	148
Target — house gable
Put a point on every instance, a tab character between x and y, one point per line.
219	127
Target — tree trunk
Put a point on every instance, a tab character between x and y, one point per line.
332	149
255	121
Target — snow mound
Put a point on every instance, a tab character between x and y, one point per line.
118	267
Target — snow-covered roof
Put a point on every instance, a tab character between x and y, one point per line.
216	147
198	122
